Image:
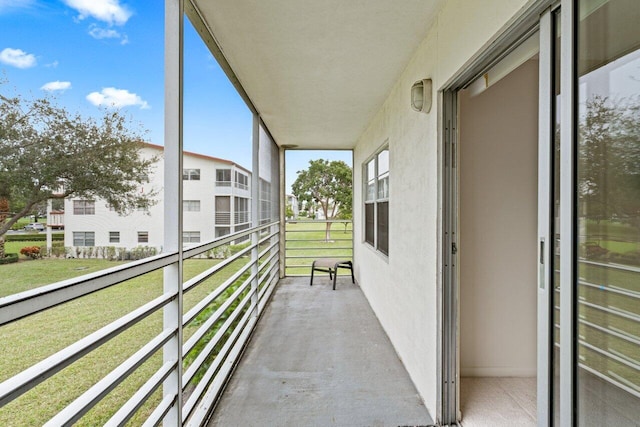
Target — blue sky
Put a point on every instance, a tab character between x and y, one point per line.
98	54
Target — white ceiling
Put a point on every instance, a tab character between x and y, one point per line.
318	70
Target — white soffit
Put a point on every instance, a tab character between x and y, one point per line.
318	70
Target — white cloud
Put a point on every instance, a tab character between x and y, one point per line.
109	11
54	64
14	4
116	98
57	85
17	58
103	33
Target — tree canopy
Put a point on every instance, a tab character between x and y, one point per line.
609	167
327	184
47	152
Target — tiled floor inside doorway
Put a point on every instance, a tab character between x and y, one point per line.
498	402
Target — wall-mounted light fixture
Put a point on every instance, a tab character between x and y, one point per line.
421	95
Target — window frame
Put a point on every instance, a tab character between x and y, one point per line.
141	237
84	207
191	174
114	235
376	200
75	237
190	205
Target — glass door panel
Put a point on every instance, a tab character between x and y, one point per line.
608	213
555	226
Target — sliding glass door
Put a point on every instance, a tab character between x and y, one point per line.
607	213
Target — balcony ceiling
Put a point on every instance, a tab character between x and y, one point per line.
317	70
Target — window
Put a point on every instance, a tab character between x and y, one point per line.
242	181
241	210
191	205
84	207
190	237
223	177
376	205
191	174
84	238
143	237
114	237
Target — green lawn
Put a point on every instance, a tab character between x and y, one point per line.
306	241
14	247
32	339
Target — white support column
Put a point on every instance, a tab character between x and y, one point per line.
567	215
49	230
282	210
255	210
172	313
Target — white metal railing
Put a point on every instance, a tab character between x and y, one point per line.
241	298
606	350
242	216
306	240
223	183
223	218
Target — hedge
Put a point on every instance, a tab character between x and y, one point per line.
32	237
9	258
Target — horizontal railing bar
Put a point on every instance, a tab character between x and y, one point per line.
609	355
265	238
269	284
317	257
618	291
212	244
611	265
631	339
34	375
319	221
311	240
75	410
204	328
610	380
195	281
267	262
161	410
204	303
317	248
136	401
267	250
17	306
236	343
614	311
197	392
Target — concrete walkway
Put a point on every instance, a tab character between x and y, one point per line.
320	358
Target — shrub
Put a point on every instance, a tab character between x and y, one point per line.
32	237
57	250
32	252
9	259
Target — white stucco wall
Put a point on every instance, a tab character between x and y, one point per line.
402	289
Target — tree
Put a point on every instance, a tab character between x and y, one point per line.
47	152
327	184
609	166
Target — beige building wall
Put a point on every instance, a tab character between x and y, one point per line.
498	226
402	291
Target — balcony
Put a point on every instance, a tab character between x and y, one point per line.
319	357
309	341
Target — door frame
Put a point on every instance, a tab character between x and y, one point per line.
535	18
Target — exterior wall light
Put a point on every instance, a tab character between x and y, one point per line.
421	95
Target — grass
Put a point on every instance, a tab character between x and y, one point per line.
306	240
27	341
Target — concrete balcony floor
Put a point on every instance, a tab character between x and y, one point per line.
319	357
